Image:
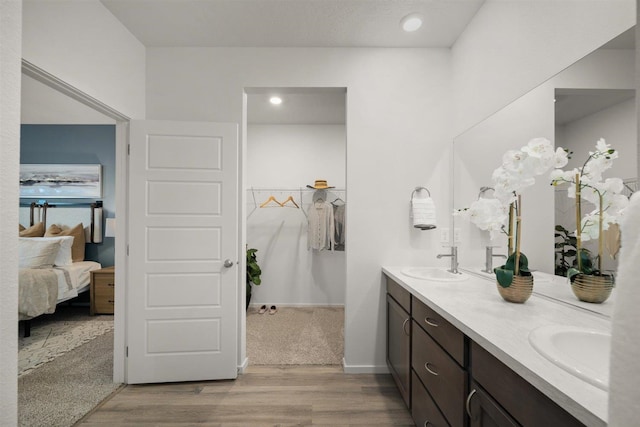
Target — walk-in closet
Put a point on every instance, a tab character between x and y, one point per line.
296	199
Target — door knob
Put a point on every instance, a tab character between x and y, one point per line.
228	263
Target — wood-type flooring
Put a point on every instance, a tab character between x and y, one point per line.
263	396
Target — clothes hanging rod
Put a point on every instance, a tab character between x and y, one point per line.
41	203
309	190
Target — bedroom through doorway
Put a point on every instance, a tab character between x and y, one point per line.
70	347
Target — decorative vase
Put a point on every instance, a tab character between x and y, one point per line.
519	291
594	289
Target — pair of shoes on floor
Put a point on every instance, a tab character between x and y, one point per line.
272	309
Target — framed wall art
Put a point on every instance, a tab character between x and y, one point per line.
40	181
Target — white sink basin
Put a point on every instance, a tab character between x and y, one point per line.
580	351
433	273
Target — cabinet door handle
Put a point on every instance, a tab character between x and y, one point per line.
468	403
404	326
111	301
431	371
429	321
427	423
110	285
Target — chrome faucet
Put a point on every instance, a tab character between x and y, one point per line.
488	263
454	259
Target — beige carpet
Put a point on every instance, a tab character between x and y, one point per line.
296	336
55	334
60	392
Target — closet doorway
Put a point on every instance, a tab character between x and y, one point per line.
296	197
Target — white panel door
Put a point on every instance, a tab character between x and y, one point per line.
182	297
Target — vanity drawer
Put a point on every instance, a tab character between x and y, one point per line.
400	294
441	375
521	400
423	409
447	335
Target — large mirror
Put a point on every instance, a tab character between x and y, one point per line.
594	98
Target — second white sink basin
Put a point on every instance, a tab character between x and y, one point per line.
580	351
433	273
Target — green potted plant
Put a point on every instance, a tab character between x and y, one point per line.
565	250
253	272
589	282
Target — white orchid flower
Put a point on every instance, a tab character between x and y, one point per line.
561	158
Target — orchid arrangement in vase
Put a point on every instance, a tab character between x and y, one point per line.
503	213
587	183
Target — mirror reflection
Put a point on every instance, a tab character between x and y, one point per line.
582	116
592	99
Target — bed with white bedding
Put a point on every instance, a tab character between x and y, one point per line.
41	289
52	270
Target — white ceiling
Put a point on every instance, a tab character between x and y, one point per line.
282	23
45	106
278	23
292	23
575	104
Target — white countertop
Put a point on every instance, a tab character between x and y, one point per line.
502	328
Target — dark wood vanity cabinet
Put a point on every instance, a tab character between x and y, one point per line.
484	411
438	359
399	338
525	404
448	380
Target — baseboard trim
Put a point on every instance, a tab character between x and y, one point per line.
364	369
243	367
268	304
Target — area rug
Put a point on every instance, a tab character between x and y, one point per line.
62	391
296	336
58	333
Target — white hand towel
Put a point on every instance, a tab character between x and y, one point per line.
624	393
423	212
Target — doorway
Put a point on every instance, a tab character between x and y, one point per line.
295	188
51	107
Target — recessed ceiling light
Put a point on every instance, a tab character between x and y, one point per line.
411	22
275	100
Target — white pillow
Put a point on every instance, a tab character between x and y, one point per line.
37	253
64	252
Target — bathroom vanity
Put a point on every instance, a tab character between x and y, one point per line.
462	356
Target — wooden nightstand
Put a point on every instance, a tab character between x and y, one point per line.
102	291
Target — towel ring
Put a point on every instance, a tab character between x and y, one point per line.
484	190
418	189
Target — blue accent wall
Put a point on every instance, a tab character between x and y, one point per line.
81	144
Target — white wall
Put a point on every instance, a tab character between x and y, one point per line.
295	155
82	43
291	157
511	47
10	51
398	121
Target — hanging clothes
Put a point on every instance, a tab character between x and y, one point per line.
321	226
338	217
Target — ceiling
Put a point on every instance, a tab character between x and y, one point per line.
46	106
339	23
266	23
292	23
575	104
